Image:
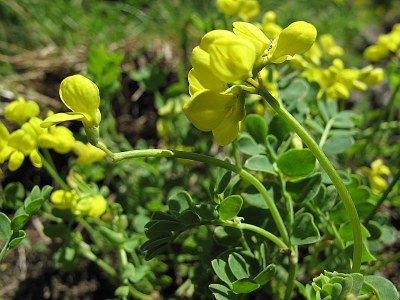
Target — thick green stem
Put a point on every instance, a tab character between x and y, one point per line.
329	169
292	275
215	162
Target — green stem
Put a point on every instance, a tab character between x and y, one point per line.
215	162
384	263
244	226
329	169
86	252
4	250
54	174
292	275
383	197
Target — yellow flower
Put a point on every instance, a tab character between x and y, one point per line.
87	153
375	175
220	113
58	138
92	206
297	38
19	111
82	97
268	25
253	34
64	199
244	9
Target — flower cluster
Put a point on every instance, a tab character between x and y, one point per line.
226	60
30	137
386	45
335	80
80	205
375	175
243	9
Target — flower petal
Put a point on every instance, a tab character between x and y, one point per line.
253	34
206	109
61	117
229	128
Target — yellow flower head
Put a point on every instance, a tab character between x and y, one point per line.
19	111
64	199
82	97
244	9
297	38
375	175
92	206
87	153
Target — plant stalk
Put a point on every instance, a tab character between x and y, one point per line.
329	169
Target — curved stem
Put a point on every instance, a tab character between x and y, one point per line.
54	174
329	169
244	226
215	162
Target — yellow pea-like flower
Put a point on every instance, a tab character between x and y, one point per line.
244	9
297	38
82	97
19	111
253	34
64	199
216	112
92	206
375	175
87	153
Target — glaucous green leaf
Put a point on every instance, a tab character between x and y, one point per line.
304	189
304	230
230	207
260	163
337	144
247	145
5	227
296	162
255	200
223	271
238	266
244	286
223	183
16	238
256	127
222	292
266	275
383	288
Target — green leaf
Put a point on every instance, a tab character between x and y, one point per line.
244	286
222	292
279	128
305	189
374	228
227	236
344	120
266	275
304	230
151	253
337	144
346	231
260	163
223	183
247	145
162	228
294	93
206	211
230	207
19	221
16	238
256	127
14	194
180	202
5	227
31	206
189	217
255	200
296	162
223	271
155	243
383	288
238	266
